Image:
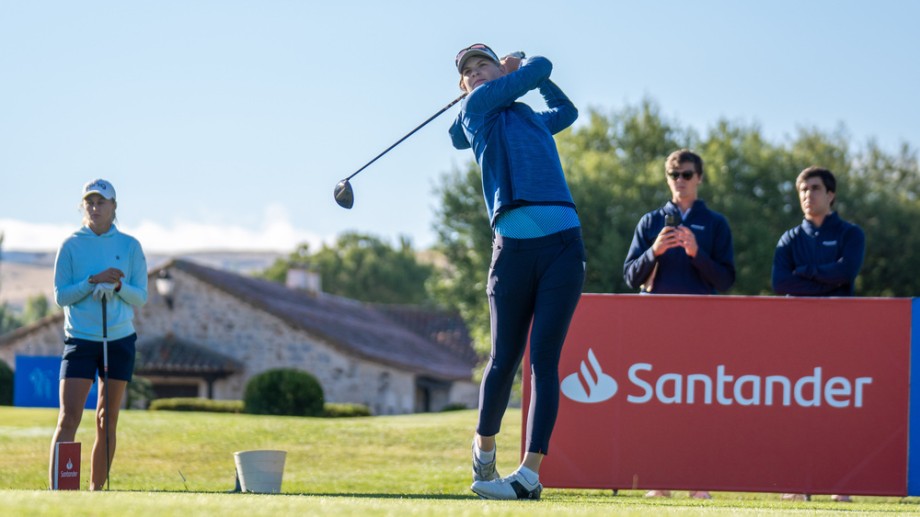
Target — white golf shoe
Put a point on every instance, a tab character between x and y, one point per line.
512	487
484	471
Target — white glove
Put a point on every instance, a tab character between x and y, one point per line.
107	289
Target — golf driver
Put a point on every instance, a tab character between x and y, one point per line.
345	196
105	375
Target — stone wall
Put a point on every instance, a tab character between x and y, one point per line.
208	317
47	339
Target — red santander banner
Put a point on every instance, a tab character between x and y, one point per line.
752	394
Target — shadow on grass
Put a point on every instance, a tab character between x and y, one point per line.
603	497
359	495
446	497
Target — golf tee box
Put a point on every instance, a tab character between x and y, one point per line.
67	466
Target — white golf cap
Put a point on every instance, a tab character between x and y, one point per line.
477	49
101	187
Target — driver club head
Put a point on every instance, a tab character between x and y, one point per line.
344	195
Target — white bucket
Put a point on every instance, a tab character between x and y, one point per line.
260	471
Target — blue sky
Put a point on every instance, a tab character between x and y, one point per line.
226	124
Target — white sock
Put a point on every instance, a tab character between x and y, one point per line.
529	476
483	456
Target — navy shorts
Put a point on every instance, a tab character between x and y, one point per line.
83	359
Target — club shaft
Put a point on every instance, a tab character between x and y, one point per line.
105	381
105	336
423	124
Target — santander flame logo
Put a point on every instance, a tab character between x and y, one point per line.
589	385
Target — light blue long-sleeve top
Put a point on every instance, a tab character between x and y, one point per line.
84	254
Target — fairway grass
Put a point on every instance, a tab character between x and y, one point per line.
178	463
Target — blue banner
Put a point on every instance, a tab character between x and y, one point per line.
36	382
913	422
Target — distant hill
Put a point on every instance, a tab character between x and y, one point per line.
32	258
20	281
24	274
242	262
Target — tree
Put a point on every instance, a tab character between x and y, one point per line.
738	160
8	320
1	255
608	163
6	384
363	267
881	195
615	168
299	259
465	240
36	308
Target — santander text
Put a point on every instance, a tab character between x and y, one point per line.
746	390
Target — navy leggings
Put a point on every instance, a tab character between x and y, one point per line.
530	280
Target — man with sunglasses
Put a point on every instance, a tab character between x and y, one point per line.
538	257
682	247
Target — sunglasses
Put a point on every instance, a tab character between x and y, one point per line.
687	175
477	46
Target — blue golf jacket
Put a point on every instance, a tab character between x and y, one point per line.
512	143
819	261
711	270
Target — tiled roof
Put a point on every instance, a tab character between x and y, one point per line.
442	327
171	356
359	328
56	318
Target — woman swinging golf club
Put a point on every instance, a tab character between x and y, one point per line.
538	257
97	265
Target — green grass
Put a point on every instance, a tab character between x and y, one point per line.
401	465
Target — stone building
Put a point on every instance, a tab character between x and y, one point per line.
206	331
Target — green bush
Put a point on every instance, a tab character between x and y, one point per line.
6	384
139	393
341	410
197	404
283	391
330	410
454	406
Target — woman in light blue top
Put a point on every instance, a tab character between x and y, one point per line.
97	265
